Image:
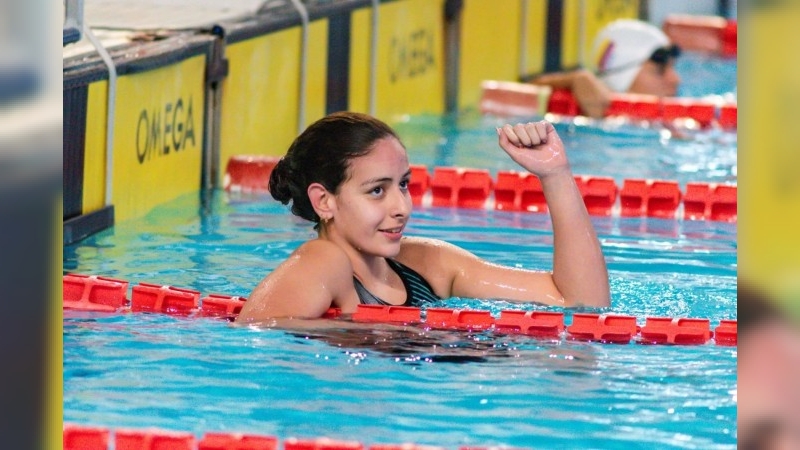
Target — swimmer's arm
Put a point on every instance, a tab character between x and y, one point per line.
579	268
304	286
455	272
590	92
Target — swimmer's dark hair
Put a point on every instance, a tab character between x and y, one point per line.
322	154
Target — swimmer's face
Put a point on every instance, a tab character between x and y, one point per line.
373	204
659	79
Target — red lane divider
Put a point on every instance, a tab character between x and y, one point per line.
634	106
521	191
652	198
461	187
666	330
149	297
728	116
603	327
218	305
710	34
321	444
710	201
82	437
563	103
505	98
532	323
599	194
94	293
702	111
726	333
387	314
516	99
156	298
127	439
458	319
419	183
85	438
237	441
249	173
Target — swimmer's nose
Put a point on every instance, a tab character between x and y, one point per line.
400	203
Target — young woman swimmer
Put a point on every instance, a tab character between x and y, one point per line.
349	174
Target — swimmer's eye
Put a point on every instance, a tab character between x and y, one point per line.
404	184
377	191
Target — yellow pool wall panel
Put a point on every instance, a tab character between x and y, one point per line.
261	94
158	136
535	37
94	161
409	72
490	46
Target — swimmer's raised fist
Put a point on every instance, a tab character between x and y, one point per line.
535	146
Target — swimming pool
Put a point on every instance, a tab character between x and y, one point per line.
431	387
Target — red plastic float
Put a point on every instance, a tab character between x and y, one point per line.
85	438
682	330
710	201
93	293
218	305
237	441
128	439
652	198
458	319
460	187
702	111
419	183
709	34
321	444
599	194
147	297
562	102
387	314
532	323
249	173
519	191
634	106
616	329
509	98
726	333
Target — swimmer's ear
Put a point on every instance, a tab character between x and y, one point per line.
321	199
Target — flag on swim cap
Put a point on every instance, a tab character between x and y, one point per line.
622	47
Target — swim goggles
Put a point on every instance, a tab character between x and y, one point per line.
660	56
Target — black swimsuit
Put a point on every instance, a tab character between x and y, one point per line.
418	291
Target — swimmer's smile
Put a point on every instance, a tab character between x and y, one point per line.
393	233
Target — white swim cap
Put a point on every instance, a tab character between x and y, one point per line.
622	47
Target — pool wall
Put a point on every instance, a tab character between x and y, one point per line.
160	116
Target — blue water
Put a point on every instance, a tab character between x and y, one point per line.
394	385
410	385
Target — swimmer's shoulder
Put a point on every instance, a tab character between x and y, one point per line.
416	247
436	260
324	255
316	276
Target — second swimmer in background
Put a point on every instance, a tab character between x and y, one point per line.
348	173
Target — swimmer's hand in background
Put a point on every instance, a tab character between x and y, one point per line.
535	146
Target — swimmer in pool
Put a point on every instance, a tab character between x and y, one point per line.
630	56
348	173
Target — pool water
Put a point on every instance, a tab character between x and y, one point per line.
389	384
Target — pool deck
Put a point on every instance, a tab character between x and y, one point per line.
167	14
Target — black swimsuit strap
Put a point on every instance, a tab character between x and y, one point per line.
418	291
